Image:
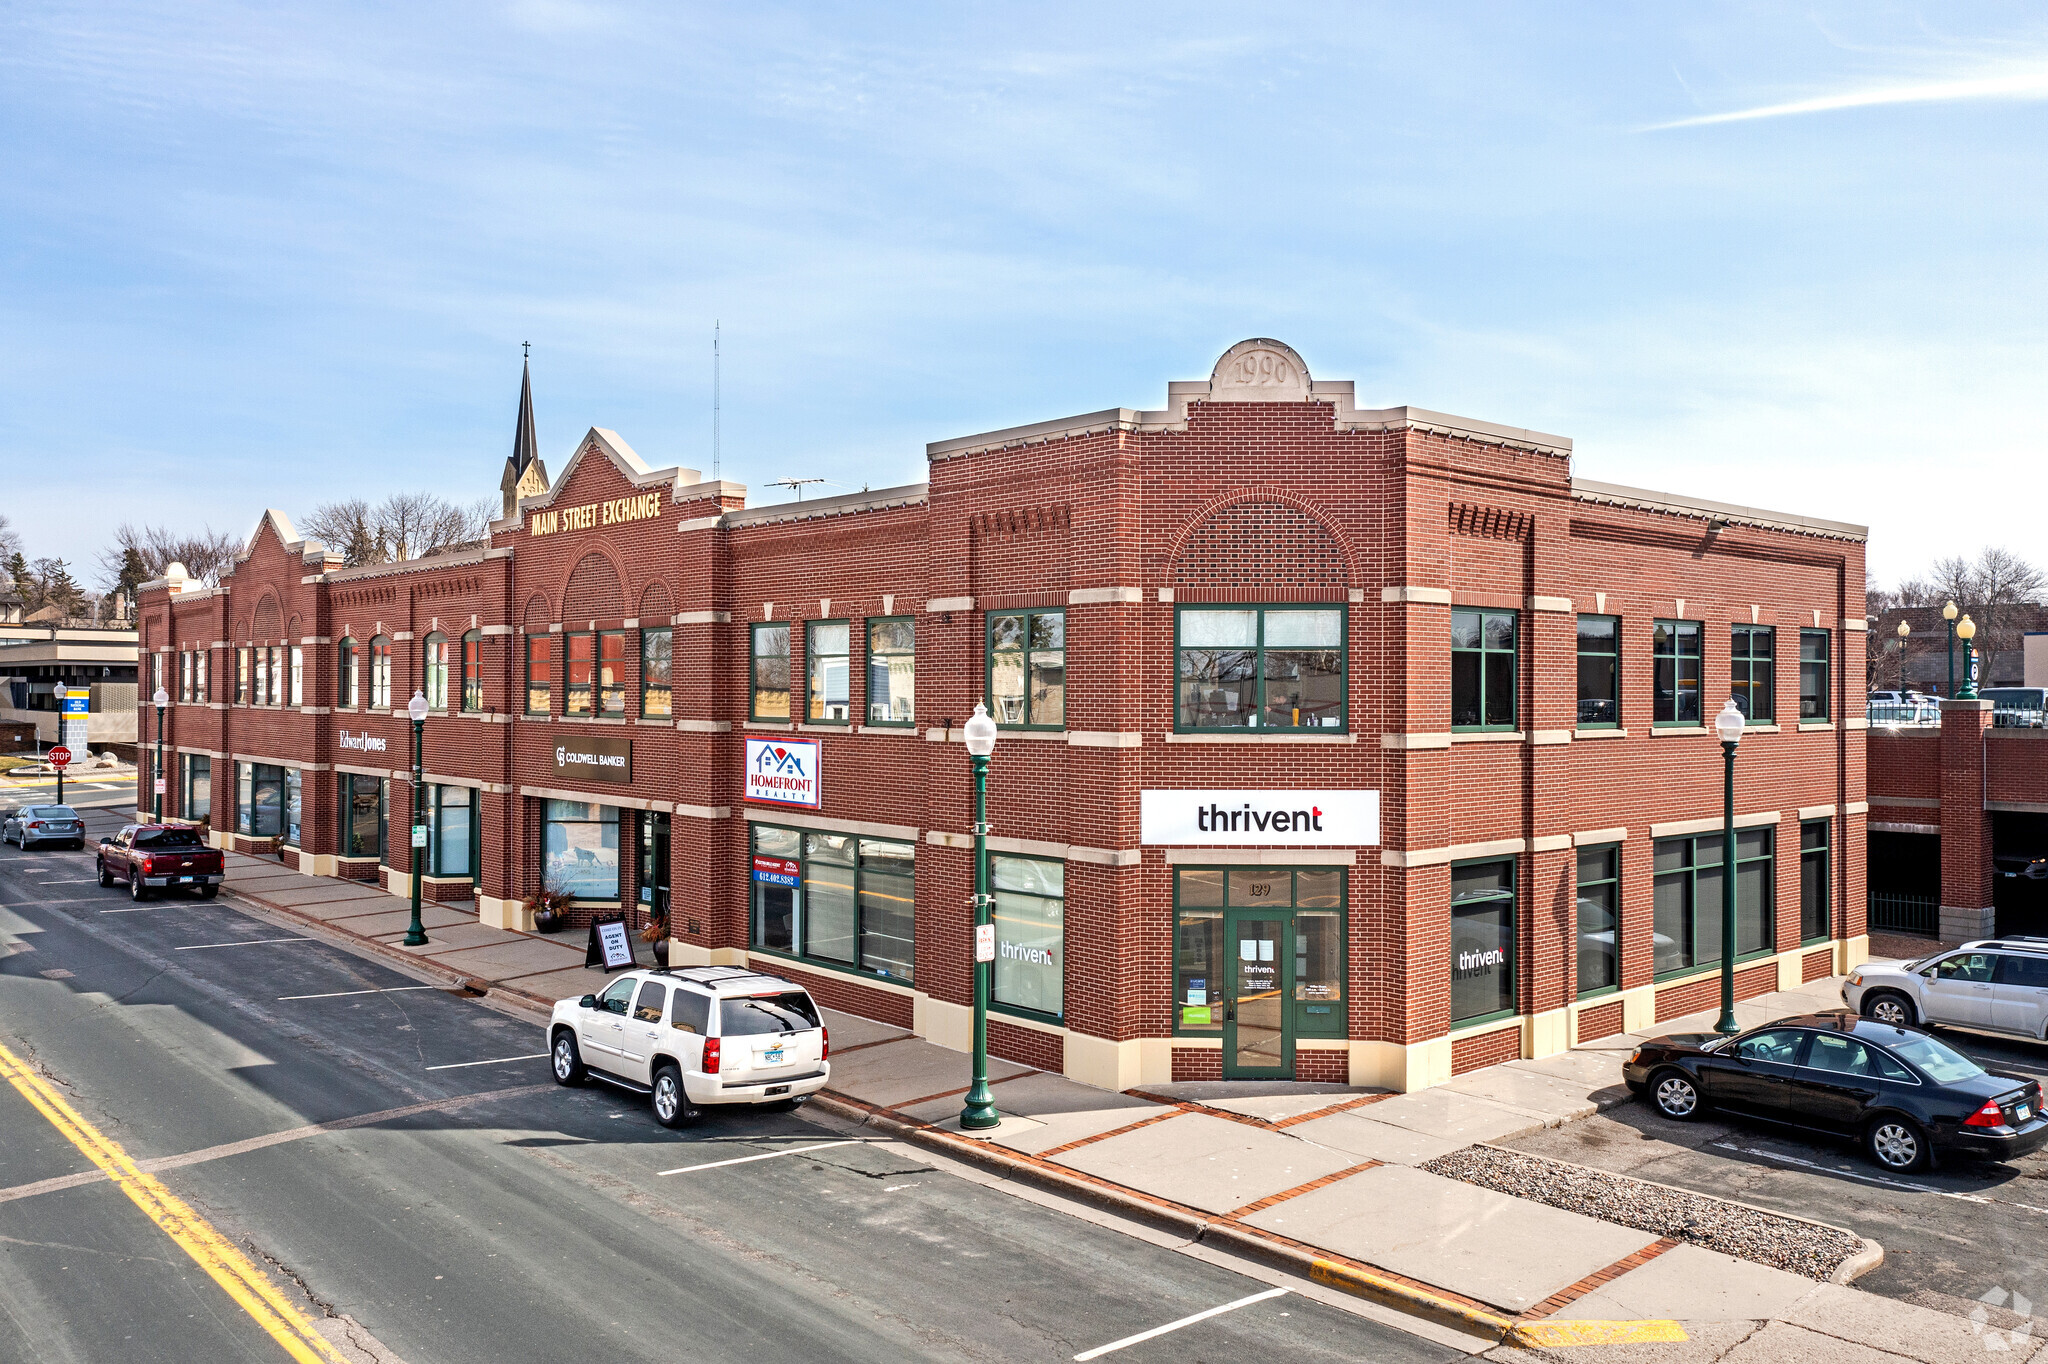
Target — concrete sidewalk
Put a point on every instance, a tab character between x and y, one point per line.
1322	1178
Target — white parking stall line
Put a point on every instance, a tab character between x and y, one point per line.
1831	1170
253	942
1158	1331
389	990
460	1065
767	1155
130	909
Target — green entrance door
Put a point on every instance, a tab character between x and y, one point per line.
1258	1033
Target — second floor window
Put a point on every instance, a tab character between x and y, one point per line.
579	667
1482	669
242	676
1599	671
657	673
768	684
473	671
1813	674
828	671
892	671
298	692
1260	668
1675	648
380	673
1027	668
540	674
345	674
437	672
185	676
199	687
1751	656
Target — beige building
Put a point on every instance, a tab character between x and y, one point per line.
37	661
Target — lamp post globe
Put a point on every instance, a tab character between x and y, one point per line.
979	1112
156	784
1948	613
416	932
1728	725
1966	631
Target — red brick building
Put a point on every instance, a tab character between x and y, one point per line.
1336	743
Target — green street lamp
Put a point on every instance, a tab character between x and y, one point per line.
1948	613
416	932
160	700
1728	724
979	1114
1966	630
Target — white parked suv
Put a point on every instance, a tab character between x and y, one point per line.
1996	985
694	1037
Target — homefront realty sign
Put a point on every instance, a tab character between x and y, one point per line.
1261	818
783	772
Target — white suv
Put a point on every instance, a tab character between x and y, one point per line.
701	1035
1997	985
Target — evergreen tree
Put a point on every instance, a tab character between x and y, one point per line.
56	588
133	574
18	574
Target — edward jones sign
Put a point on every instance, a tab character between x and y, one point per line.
594	758
1261	818
784	772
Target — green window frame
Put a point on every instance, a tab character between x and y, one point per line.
1675	656
1027	668
345	674
1484	670
242	676
1598	916
454	831
1686	900
540	674
434	655
1816	882
1244	667
1484	927
1031	935
579	671
853	907
768	671
1599	672
657	672
1814	668
1317	899
828	672
473	672
892	670
1752	677
380	673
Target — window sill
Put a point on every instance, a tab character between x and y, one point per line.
1057	736
769	724
593	719
1665	730
1044	1020
1488	736
1614	733
1260	737
659	724
1763	727
825	727
1604	992
1466	1027
1805	725
538	719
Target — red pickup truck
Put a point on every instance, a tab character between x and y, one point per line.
161	857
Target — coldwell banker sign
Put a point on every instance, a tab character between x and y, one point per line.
595	758
1261	818
783	772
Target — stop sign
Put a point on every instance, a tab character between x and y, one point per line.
60	756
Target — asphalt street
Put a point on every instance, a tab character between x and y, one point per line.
502	1218
1950	1235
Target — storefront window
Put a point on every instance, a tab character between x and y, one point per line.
1599	920
1220	913
1031	932
1482	941
540	674
828	671
837	898
198	803
364	801
1260	668
580	848
259	800
1688	893
770	680
451	831
294	804
657	664
1027	668
1813	880
892	671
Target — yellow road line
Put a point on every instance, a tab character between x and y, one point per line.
214	1253
1555	1334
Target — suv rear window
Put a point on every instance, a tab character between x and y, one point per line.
169	838
788	1012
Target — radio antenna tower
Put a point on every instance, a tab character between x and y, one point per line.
714	400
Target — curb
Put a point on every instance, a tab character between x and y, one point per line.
1357	1280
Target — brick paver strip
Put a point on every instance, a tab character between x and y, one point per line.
1345	1107
949	1093
1298	1190
1266	1123
1565	1297
878	1042
1175	1112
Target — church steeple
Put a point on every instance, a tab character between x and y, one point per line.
525	475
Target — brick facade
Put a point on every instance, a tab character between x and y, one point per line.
1272	489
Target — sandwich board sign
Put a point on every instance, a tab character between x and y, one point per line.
610	947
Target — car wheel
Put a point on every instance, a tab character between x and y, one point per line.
106	877
208	892
1675	1095
136	890
1887	1007
1897	1144
566	1061
671	1101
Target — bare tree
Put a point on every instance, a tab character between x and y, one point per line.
10	542
402	526
206	554
349	528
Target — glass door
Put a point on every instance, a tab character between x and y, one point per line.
1258	1036
654	835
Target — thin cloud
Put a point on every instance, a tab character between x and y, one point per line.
2030	84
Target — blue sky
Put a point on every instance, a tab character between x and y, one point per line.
255	256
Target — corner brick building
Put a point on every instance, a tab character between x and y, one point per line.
1489	681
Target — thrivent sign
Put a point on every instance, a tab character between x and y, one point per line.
1261	818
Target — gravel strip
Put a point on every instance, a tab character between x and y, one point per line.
1780	1242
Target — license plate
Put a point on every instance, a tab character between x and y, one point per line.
2023	1112
776	1089
184	878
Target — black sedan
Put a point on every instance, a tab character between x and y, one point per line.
1906	1095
